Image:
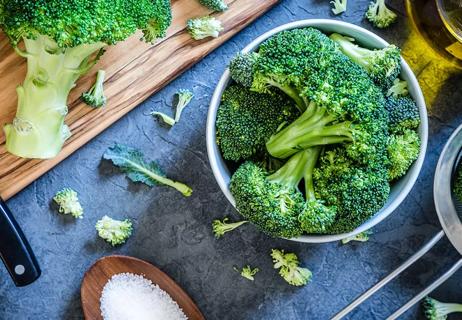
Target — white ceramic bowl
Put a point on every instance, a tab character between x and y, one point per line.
365	38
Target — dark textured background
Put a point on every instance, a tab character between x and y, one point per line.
174	232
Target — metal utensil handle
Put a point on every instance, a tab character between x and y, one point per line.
426	291
15	251
416	256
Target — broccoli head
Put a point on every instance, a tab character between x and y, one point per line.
62	41
403	150
403	114
114	231
379	14
246	120
215	5
68	202
241	68
383	65
437	310
95	96
204	27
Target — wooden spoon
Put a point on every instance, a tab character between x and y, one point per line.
102	270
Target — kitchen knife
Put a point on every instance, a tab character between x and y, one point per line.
15	251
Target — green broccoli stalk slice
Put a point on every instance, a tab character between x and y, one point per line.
184	98
316	216
62	41
436	310
221	227
131	161
165	118
403	150
204	27
247	272
383	65
289	269
339	6
379	15
360	237
113	231
95	96
215	5
398	89
271	202
68	202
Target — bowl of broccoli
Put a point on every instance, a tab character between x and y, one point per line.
317	131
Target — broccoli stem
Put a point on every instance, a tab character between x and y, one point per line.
291	173
38	129
312	128
313	155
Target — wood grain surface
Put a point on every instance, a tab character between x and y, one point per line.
134	71
99	273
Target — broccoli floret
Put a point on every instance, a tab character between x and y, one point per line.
272	202
436	310
379	15
204	27
357	191
403	114
360	237
241	68
398	89
62	41
247	272
131	161
95	96
215	5
403	150
289	269
221	227
246	120
383	65
457	183
339	6
184	97
114	231
68	203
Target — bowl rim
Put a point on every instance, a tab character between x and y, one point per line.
411	176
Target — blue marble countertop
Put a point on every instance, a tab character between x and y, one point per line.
174	232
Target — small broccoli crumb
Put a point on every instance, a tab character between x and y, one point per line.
221	227
287	263
95	96
114	231
360	237
398	89
68	202
339	6
247	272
379	15
457	184
184	98
215	5
165	118
436	310
203	27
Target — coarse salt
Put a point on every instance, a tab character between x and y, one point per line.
128	296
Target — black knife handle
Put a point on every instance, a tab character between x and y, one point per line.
15	251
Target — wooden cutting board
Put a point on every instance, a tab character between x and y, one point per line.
134	71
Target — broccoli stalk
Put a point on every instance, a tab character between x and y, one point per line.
62	41
221	227
204	27
289	269
68	202
184	98
339	6
383	65
436	310
114	231
379	15
360	237
95	96
215	5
